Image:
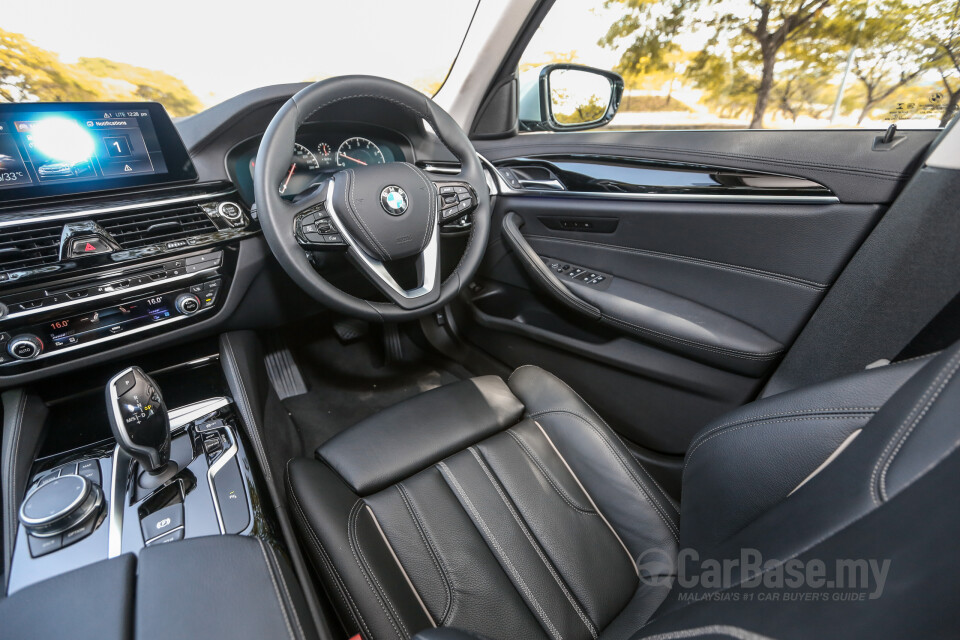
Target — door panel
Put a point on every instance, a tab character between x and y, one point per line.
706	282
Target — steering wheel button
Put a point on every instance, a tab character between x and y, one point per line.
334	238
309	228
459	189
447	189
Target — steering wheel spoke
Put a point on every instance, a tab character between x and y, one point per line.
376	271
313	227
455	200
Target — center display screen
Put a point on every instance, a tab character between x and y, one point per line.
60	148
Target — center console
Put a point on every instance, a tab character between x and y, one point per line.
105	236
172	475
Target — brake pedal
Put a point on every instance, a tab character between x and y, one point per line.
350	329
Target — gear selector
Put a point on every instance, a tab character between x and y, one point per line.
138	417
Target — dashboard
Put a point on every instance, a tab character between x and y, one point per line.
98	261
321	149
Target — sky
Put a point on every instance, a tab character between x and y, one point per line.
222	48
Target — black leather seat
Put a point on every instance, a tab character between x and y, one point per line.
511	510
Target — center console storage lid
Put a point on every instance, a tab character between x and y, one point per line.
95	603
212	588
218	587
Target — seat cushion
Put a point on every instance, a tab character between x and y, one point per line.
522	518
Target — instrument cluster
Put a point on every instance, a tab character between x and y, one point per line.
319	152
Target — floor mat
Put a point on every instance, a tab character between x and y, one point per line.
349	382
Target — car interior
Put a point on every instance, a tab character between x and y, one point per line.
459	369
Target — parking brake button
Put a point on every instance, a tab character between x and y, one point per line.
162	521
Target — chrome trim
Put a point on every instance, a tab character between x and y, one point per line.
432	168
218	464
491	176
181	417
239	215
102	340
118	292
554	185
426	261
180	528
506	190
118	495
26	520
115	209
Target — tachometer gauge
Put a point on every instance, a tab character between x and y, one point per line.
325	154
357	152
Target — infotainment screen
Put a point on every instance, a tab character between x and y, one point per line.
63	148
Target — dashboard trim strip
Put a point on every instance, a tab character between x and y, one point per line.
109	294
124	207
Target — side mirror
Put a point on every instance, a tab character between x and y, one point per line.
568	97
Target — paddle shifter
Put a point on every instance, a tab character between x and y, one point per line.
138	417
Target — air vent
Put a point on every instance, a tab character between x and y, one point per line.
24	247
139	229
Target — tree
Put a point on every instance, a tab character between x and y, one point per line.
128	82
28	72
943	33
755	31
888	52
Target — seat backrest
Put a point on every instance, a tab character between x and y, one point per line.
884	507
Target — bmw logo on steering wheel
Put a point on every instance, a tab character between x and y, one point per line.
394	201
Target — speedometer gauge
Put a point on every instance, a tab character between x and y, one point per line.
304	158
357	152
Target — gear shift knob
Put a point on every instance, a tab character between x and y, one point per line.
138	417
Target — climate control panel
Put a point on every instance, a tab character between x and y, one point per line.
132	316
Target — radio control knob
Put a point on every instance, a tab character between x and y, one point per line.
187	304
25	347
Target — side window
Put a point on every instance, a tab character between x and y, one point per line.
778	64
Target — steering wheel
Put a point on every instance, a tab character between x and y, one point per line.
378	214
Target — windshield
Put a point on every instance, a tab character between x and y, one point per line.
190	54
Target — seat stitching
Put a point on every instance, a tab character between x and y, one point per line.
331	568
478	519
367	572
286	591
668	521
666	499
852	416
955	361
781	414
734	353
276	591
604	422
533	543
874	489
536	460
402	490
